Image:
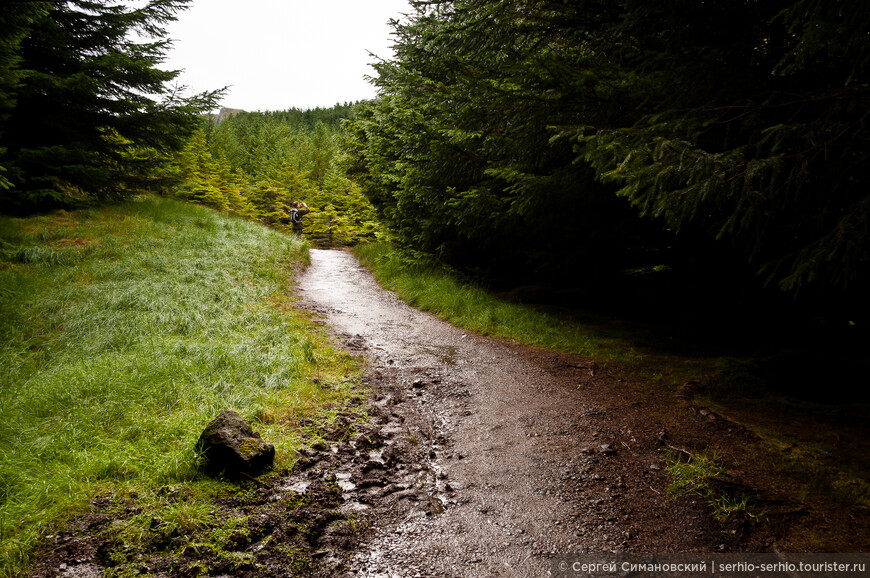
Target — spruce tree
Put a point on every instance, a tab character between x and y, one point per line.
521	132
89	94
16	20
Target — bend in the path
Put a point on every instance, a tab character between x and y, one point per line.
517	464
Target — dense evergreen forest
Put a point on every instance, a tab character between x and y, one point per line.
626	155
256	164
632	152
698	165
88	116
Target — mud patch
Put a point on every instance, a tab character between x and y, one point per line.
305	521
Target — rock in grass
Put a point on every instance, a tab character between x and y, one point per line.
230	447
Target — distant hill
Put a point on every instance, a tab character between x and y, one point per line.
225	113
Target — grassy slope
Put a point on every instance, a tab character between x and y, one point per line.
812	455
123	332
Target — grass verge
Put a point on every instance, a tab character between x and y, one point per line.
811	454
123	331
472	307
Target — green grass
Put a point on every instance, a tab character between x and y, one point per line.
703	475
123	332
472	307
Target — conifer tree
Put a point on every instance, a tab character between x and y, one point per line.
16	21
234	189
272	204
736	130
86	94
457	156
322	150
197	174
275	158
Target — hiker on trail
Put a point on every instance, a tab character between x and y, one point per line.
297	210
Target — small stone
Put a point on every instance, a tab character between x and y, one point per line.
372	465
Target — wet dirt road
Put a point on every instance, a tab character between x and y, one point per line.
525	454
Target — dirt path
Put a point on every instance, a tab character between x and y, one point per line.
479	457
524	453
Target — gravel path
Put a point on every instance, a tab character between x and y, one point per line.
528	453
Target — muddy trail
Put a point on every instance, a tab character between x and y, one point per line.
512	455
474	457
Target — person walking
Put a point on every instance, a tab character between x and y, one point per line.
297	210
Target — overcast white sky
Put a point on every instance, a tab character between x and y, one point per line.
280	54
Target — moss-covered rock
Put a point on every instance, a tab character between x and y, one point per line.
230	447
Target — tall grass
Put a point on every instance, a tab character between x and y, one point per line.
123	331
470	306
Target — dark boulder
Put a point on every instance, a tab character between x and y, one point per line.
230	447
